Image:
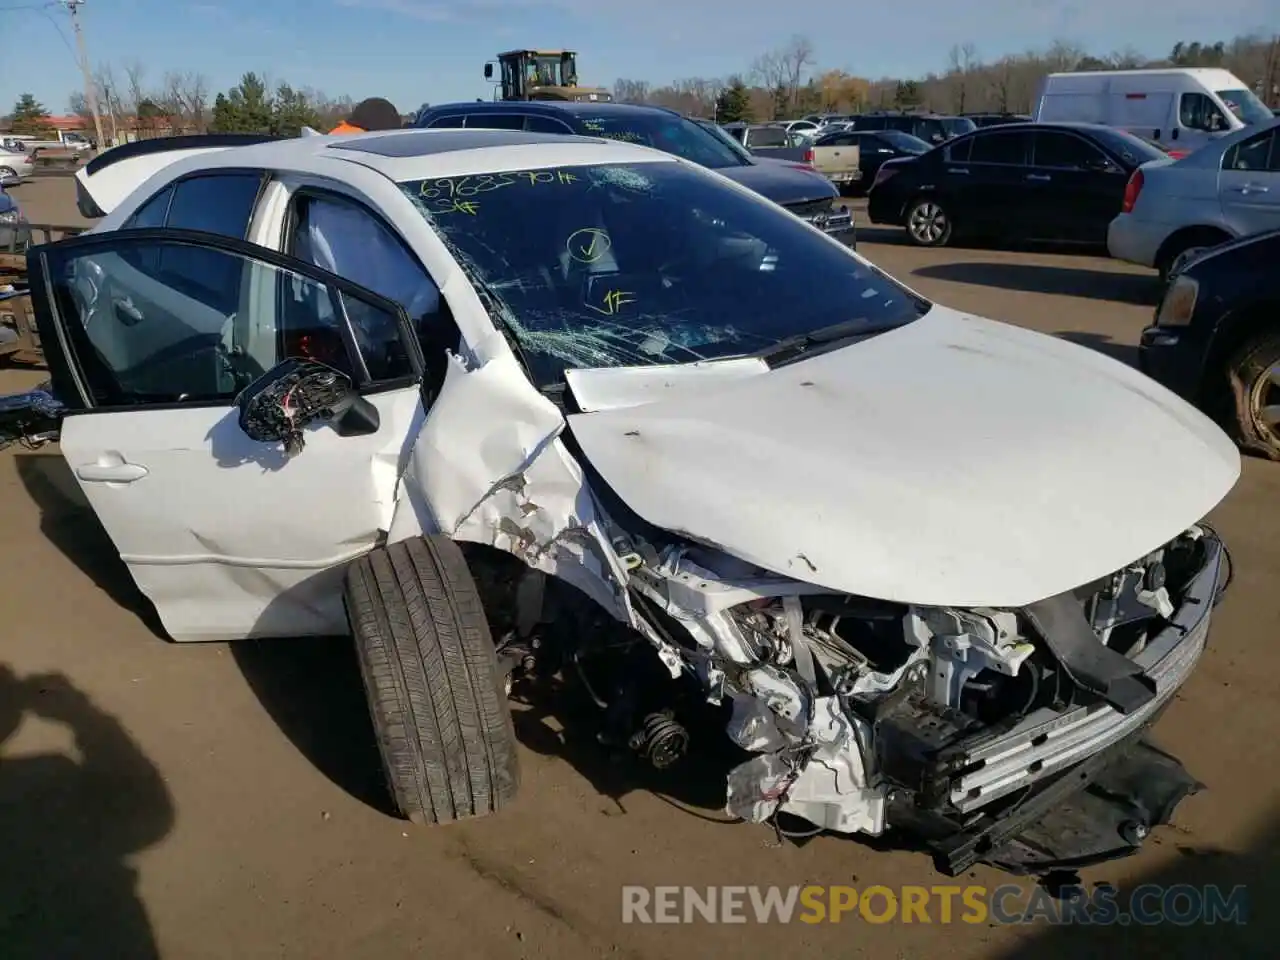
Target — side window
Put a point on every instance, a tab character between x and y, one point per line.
1256	153
1063	151
221	203
1005	148
960	152
1197	112
537	124
149	335
496	121
152	213
452	122
345	238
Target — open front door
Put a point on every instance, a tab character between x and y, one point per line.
150	335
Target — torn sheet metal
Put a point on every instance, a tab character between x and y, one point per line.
487	467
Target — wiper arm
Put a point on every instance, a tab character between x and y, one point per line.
794	347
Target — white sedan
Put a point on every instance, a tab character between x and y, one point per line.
503	404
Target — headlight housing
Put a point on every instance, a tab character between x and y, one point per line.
1179	303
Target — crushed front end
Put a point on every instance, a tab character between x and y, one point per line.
1011	737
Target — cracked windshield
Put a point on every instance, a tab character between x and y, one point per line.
650	263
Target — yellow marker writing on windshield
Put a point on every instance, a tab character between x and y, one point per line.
614	300
588	244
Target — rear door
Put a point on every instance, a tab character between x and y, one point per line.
156	333
1249	185
1076	189
986	182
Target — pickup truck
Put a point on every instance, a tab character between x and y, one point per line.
841	163
769	140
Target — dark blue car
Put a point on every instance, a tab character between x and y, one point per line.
804	192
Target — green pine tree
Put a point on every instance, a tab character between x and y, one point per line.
291	111
30	118
245	108
734	102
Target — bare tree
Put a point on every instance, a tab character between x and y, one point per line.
769	71
185	98
963	60
631	91
796	57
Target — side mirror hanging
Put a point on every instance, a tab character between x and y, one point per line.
289	397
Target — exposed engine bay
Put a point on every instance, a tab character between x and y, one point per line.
971	728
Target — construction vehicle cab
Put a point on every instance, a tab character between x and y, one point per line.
541	75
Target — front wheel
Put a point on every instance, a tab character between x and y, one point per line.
928	224
8	173
1253	373
432	681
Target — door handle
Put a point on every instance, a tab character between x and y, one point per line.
958	170
1040	177
1252	188
111	472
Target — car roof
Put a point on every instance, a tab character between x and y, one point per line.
421	154
549	108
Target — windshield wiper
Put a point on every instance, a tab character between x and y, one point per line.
793	348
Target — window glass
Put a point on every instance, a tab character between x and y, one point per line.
538	124
663	131
1251	154
451	122
649	263
1003	147
346	239
152	213
165	334
1065	151
221	204
960	152
1197	112
496	121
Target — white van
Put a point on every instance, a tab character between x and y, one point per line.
1180	108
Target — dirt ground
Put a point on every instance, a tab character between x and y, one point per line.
210	801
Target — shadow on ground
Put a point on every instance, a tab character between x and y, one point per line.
1185	883
67	827
1037	278
1124	352
69	523
312	689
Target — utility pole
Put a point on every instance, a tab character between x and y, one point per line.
90	88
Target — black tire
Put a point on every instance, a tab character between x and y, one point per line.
928	209
8	173
432	681
1246	368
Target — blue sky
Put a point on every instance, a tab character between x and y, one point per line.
413	51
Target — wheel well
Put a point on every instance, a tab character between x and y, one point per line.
1189	237
1255	320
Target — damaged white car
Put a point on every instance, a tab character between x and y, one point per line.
506	403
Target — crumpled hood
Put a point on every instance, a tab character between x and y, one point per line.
956	461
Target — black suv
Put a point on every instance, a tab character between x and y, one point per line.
929	127
797	187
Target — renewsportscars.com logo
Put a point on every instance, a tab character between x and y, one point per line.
1146	905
